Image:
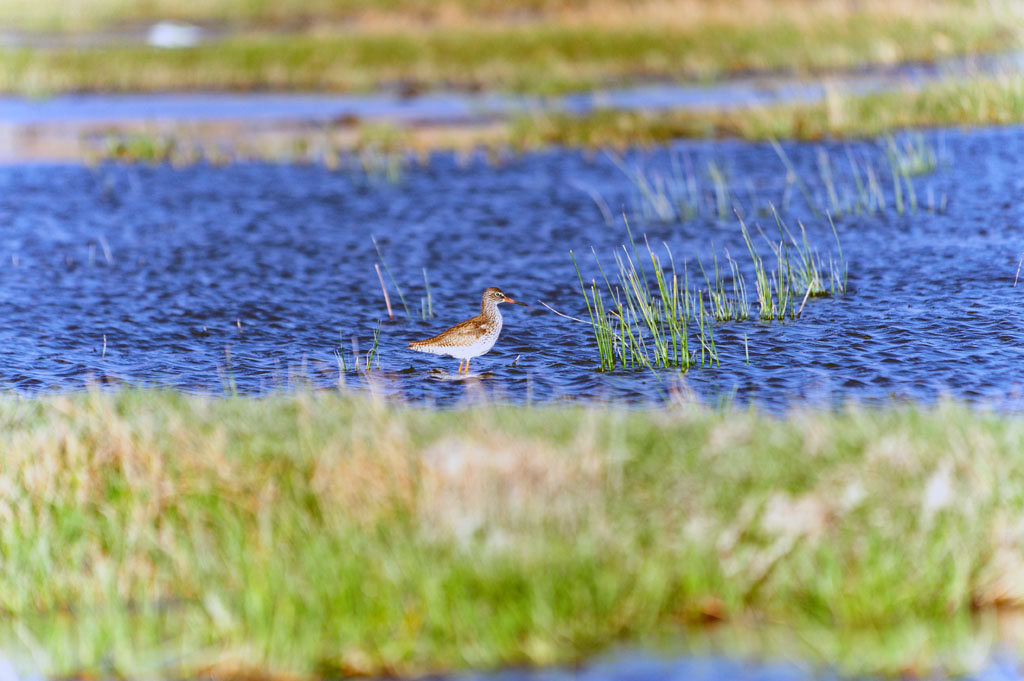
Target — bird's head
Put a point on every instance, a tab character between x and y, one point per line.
495	295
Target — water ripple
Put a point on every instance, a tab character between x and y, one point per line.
251	275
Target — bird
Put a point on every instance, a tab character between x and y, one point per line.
473	337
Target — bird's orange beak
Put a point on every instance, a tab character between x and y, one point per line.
516	302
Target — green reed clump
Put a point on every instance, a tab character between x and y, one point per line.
794	272
646	323
800	272
811	273
774	288
727	295
857	182
911	153
675	196
661	319
860	191
838	271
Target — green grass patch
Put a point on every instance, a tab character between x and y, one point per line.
649	314
540	57
157	535
994	100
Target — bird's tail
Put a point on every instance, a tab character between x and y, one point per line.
425	346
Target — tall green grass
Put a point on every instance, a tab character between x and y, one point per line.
648	315
811	272
858	180
726	292
774	288
644	321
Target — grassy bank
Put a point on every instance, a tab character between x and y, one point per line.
546	47
157	535
980	101
994	100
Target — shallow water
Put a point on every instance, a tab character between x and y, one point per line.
737	91
244	277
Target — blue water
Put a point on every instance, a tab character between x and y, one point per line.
249	277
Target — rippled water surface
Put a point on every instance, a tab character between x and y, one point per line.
249	275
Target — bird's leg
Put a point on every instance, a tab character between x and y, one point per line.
460	367
467	367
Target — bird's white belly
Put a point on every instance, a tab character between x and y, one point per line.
482	346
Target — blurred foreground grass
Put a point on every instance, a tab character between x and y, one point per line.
151	534
539	46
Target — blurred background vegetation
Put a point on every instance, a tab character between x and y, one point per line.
528	46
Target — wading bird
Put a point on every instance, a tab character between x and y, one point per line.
473	337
